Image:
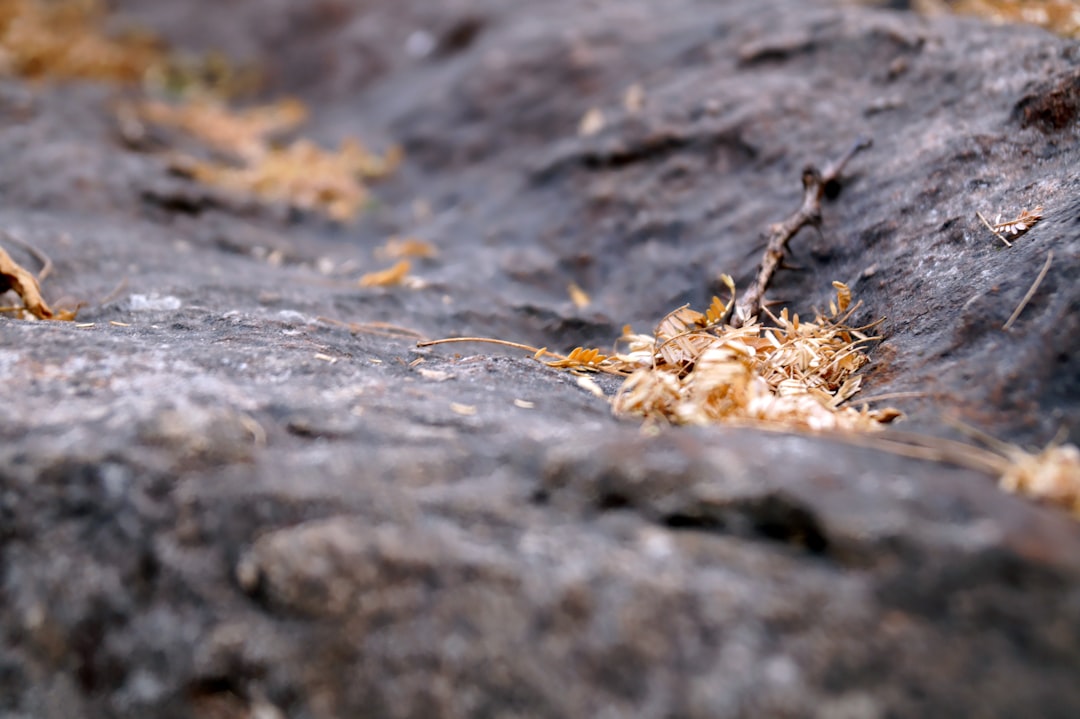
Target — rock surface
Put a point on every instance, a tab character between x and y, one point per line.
226	506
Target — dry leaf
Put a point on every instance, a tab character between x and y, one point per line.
465	410
14	277
578	296
398	247
592	122
384	278
589	385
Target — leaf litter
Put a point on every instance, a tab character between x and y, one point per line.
730	365
299	173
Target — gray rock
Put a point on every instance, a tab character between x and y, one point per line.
226	506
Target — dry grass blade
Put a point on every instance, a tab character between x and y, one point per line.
536	351
1031	291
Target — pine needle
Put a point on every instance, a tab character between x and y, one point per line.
1031	291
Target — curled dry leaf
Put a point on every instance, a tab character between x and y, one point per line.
14	277
394	275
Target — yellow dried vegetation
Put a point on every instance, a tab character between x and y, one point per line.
697	369
1060	16
65	39
1050	475
299	173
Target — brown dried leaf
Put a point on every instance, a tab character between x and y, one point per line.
394	275
578	296
14	277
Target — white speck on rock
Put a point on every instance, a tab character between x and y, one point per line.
153	302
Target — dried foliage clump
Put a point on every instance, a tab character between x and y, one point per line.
1060	16
697	369
15	277
302	175
240	133
1051	475
65	39
299	173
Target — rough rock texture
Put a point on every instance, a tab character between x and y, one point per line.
227	507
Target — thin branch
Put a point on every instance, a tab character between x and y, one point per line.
809	213
1031	292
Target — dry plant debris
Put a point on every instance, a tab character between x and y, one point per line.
725	365
14	277
578	296
65	40
398	247
299	174
694	369
780	234
394	275
1050	475
242	133
1031	291
1059	16
1014	227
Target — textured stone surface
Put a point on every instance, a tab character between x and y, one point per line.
230	507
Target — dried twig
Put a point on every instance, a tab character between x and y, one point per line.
14	277
991	228
1031	291
809	213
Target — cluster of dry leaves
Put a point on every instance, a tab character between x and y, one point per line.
697	369
249	159
1060	16
41	39
787	374
65	39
